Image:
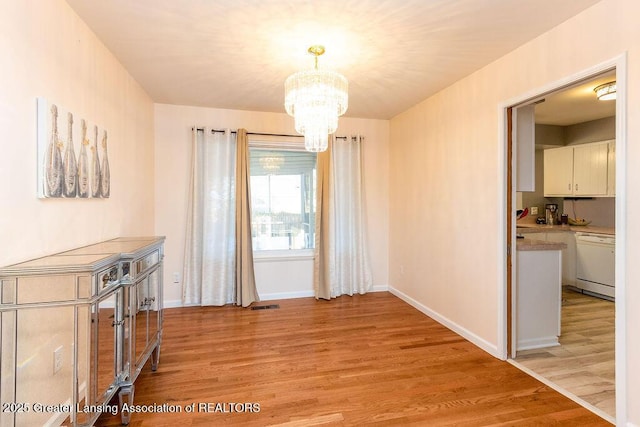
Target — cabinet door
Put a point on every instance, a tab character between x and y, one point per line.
611	169
590	169
125	339
153	307
558	171
141	321
104	350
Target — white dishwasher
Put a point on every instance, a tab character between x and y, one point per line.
596	261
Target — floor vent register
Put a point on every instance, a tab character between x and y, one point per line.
265	307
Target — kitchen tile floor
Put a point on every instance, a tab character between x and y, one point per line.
584	363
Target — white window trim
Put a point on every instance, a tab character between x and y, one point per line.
283	255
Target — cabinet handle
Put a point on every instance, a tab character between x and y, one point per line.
576	187
569	186
147	302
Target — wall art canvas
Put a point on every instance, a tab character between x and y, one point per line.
73	160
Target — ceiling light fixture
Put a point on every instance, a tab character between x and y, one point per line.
606	92
316	98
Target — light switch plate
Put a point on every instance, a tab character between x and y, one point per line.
57	359
534	210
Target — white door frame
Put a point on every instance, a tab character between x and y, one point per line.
619	63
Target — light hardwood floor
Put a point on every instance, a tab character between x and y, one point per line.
352	361
584	363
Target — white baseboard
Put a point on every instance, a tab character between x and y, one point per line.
263	297
273	296
490	348
286	295
532	344
174	303
307	294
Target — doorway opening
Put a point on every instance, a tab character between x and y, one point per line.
560	124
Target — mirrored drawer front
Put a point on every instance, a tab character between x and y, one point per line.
39	289
145	263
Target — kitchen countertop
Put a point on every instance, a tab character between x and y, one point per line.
539	245
544	228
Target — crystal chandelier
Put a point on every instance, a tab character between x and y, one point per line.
316	98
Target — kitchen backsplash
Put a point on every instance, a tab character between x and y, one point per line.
600	211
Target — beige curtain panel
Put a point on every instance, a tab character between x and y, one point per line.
246	292
321	267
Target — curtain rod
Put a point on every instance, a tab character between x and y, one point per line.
263	134
250	133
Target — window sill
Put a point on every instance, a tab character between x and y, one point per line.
283	255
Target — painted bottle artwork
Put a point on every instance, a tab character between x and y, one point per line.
70	165
95	166
105	181
53	160
83	164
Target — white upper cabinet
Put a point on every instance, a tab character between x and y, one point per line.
590	169
584	170
558	171
611	171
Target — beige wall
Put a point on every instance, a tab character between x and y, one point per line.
446	169
47	51
549	136
173	156
592	131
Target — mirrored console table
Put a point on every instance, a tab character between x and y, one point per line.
76	328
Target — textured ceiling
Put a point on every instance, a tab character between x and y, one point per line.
576	104
236	54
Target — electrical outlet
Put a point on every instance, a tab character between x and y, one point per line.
176	277
534	210
57	359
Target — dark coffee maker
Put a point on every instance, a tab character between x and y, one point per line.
552	214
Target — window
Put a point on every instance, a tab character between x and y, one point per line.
283	204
